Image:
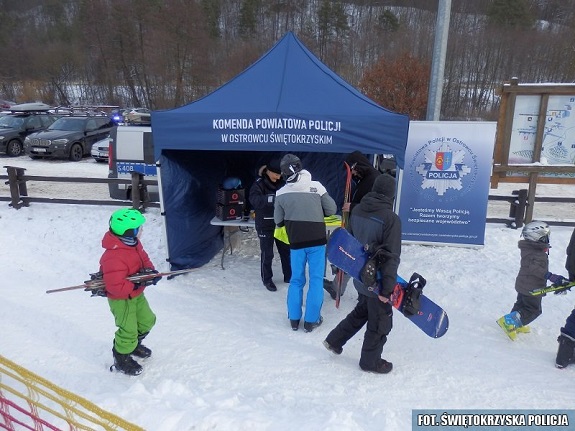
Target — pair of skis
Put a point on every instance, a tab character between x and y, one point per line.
344	219
97	283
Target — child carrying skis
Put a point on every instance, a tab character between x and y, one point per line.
124	256
533	274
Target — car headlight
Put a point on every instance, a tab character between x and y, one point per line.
27	140
60	141
1	138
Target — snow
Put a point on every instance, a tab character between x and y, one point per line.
224	355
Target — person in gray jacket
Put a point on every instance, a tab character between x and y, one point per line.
301	206
533	274
373	223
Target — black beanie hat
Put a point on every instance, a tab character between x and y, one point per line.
274	166
385	185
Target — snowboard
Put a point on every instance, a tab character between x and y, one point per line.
347	253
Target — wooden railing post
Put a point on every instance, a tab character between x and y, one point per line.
140	196
136	202
17	186
518	207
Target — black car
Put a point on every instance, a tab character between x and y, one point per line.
15	126
69	137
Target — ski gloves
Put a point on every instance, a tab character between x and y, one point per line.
146	281
555	279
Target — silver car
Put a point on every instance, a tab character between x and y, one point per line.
100	150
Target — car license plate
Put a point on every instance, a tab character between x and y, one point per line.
39	150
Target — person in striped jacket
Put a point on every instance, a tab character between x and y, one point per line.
301	206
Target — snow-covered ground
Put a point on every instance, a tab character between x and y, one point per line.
225	357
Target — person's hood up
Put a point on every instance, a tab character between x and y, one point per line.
362	163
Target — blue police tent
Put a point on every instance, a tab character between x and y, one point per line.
286	102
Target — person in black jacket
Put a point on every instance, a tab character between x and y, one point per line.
262	198
363	174
373	222
566	339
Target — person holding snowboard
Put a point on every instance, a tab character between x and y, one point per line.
301	206
374	223
125	256
363	174
533	274
262	198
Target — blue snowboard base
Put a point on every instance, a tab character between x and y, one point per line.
348	254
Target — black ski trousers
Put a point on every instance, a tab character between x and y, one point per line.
378	316
528	306
267	241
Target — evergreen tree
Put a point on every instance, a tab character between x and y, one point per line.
248	18
212	10
510	13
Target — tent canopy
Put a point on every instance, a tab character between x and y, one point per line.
286	102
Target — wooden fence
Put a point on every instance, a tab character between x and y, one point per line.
520	210
19	198
519	206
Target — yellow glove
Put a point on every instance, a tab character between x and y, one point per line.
281	234
333	220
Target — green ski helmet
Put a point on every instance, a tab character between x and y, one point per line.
126	221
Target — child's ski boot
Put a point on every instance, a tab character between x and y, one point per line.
511	324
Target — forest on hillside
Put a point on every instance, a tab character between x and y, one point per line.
166	53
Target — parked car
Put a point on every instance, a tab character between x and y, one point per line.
101	150
139	116
6	104
69	137
16	125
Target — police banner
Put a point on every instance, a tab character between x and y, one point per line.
445	184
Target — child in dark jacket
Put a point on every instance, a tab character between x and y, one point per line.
533	274
124	256
262	199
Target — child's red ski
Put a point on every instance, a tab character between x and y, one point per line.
344	219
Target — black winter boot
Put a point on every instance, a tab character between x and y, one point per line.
566	351
381	367
310	326
125	364
328	287
141	351
294	324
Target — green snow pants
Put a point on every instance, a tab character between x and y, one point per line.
134	318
